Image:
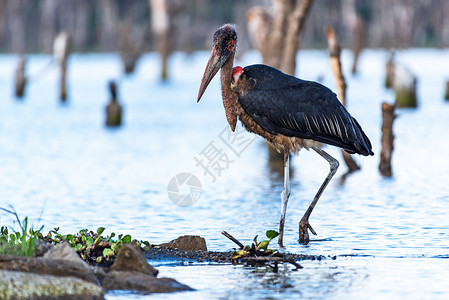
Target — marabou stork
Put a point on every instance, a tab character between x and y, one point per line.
288	112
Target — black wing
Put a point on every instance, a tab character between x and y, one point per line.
284	104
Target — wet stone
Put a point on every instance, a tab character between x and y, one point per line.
131	271
188	243
64	252
39	265
125	280
131	258
25	285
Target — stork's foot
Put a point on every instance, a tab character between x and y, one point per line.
304	226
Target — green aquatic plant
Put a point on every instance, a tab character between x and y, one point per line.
257	248
92	246
22	242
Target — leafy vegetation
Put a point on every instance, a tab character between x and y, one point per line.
257	248
92	246
21	242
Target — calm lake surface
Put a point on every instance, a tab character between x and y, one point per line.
61	167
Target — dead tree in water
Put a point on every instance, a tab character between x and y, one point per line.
386	152
403	81
61	51
277	37
20	77
405	87
295	25
163	13
335	51
358	42
131	47
113	109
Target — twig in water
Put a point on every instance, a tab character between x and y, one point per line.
232	239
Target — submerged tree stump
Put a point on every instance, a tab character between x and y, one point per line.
61	51
131	47
113	109
403	81
335	51
163	15
20	77
446	94
405	87
387	140
295	25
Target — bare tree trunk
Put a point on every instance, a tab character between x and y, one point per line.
281	11
132	38
388	117
61	49
20	77
335	52
296	23
160	24
278	37
357	43
128	53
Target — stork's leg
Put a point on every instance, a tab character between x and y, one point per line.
304	223
284	195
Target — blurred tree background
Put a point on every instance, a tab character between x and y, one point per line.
28	26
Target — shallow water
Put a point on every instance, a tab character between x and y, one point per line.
60	166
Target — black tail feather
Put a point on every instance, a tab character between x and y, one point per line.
363	144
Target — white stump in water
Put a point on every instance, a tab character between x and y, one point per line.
405	87
160	22
61	51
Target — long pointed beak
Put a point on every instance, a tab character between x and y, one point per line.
213	65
